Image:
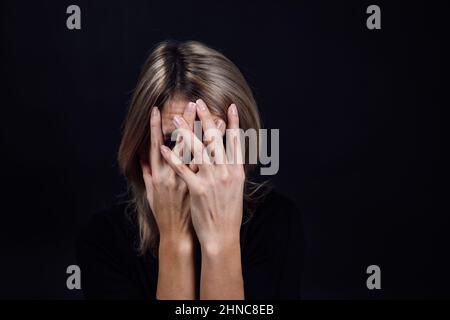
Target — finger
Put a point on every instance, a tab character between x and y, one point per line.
181	150
220	124
190	112
194	145
156	138
221	127
233	117
193	167
215	148
234	146
211	132
178	148
178	166
146	175
204	115
189	115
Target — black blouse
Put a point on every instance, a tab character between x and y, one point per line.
271	251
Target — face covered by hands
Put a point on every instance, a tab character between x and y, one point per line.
203	198
216	190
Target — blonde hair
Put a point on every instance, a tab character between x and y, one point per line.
191	70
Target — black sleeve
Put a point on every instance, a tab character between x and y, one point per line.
103	256
273	252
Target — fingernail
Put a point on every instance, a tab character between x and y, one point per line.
155	111
177	121
191	107
201	105
233	109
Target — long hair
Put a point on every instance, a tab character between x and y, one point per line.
194	71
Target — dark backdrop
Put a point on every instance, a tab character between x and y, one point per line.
358	113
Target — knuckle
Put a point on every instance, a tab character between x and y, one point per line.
167	183
180	186
225	178
200	190
183	132
239	174
171	176
157	180
154	125
154	143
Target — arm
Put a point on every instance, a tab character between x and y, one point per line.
102	254
221	268
168	199
176	276
216	200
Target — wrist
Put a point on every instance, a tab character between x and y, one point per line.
176	244
176	268
224	248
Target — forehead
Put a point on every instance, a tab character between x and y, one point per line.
171	108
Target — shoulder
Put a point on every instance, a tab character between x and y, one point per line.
275	214
276	206
111	229
107	255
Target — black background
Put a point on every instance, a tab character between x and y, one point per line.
358	112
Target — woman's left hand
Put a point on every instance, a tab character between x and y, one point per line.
216	201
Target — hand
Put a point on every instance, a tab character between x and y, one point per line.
216	200
216	190
166	192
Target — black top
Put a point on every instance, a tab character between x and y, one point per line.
271	251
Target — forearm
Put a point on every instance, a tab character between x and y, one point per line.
221	276
176	275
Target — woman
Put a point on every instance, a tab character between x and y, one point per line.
199	229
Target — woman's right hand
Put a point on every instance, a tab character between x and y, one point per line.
167	194
168	198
